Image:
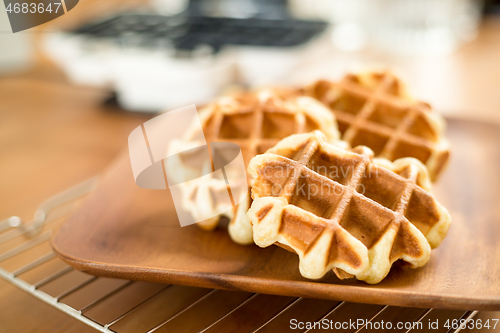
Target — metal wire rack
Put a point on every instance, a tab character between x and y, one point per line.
114	305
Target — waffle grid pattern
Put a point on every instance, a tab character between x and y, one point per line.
374	110
360	226
256	122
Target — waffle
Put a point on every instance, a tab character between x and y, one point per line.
255	121
343	209
375	110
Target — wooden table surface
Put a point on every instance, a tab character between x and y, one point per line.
54	135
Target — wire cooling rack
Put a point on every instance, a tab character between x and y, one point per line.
115	305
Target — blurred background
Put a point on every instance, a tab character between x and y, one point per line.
157	54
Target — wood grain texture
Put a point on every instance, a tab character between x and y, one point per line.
124	231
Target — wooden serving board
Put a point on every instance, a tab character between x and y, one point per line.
128	232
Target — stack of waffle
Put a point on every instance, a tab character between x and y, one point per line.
354	210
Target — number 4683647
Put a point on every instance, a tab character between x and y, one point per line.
471	324
32	8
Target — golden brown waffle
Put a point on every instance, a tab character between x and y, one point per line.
255	121
374	110
344	210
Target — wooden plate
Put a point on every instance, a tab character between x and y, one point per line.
128	232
